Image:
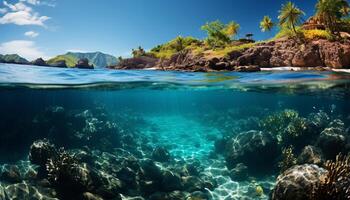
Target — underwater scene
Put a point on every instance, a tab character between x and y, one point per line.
134	135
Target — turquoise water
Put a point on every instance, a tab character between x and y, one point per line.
103	112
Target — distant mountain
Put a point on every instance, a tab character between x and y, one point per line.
13	58
98	59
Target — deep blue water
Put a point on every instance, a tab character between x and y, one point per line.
183	112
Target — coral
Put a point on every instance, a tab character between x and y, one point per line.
66	174
41	151
288	159
335	184
277	122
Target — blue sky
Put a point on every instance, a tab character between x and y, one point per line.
44	28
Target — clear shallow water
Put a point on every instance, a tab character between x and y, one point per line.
139	111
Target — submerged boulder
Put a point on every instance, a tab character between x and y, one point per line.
297	182
255	149
161	154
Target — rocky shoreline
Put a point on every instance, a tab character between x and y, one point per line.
315	54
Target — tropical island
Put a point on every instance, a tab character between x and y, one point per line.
322	42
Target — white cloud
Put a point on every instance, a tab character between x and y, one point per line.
22	14
3	10
78	51
31	34
33	2
24	48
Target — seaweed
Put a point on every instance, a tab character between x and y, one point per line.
335	184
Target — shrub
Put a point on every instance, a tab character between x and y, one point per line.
317	34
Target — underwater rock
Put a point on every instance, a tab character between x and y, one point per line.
41	151
239	172
90	196
67	175
175	195
171	182
255	149
161	154
198	196
297	182
151	170
26	191
310	155
2	193
10	173
332	140
193	183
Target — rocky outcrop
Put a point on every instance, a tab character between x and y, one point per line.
84	64
278	53
142	62
61	64
39	62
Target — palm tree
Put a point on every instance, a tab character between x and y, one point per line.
232	29
290	16
330	12
266	24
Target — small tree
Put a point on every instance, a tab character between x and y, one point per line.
138	52
290	16
220	34
266	24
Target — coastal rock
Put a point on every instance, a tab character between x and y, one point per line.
334	54
84	64
297	182
39	62
307	56
142	62
61	63
251	148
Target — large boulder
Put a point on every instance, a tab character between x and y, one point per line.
255	149
297	182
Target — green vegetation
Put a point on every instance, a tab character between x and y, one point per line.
69	59
138	52
266	24
219	34
176	45
290	16
331	12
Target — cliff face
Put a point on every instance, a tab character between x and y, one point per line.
278	53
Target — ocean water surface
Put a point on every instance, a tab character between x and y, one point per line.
159	135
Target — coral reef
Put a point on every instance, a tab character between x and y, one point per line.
335	184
